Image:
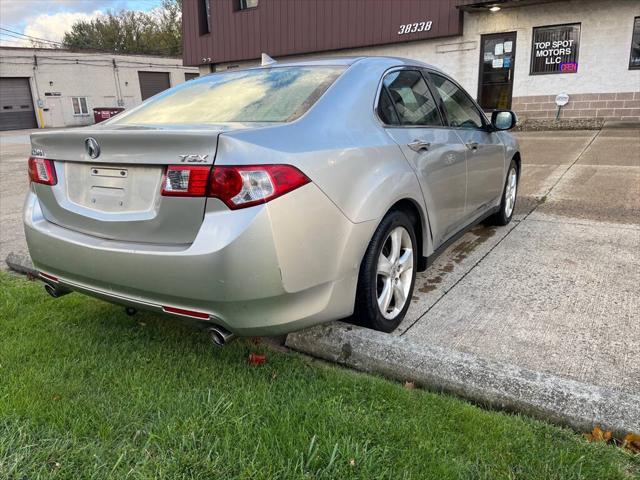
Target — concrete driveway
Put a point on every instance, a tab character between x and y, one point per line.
559	290
539	316
14	182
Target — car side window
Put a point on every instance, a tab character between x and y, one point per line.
386	110
460	109
411	99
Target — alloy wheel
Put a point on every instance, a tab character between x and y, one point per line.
394	273
510	192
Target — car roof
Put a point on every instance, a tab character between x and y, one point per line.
383	61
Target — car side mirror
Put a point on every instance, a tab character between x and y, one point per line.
503	119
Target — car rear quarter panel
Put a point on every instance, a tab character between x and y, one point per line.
340	146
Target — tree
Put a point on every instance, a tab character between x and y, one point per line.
158	32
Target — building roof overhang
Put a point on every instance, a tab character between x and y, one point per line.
484	5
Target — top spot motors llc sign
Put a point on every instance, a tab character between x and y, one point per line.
555	49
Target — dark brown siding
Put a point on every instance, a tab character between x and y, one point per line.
287	27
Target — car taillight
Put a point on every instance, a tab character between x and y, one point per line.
237	186
42	171
248	185
185	181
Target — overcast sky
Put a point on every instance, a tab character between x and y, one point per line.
49	19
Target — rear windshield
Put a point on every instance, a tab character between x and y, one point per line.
263	95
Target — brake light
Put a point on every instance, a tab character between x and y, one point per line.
237	186
248	185
188	313
48	277
42	171
185	181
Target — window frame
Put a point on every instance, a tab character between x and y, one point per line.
533	38
384	91
205	18
483	117
382	87
86	104
633	32
240	8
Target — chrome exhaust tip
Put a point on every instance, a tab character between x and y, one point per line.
220	336
54	291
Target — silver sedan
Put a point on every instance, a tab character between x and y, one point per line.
266	200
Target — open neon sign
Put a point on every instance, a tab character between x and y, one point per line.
569	67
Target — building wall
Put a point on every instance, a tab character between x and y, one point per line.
90	75
603	86
288	27
608	106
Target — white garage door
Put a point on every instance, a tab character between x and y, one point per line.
16	104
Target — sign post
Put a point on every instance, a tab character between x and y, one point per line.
561	100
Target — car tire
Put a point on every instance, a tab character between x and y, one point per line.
384	283
509	197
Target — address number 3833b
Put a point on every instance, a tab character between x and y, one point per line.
415	27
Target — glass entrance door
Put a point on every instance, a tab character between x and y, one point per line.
497	59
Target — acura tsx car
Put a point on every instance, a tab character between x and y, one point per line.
266	200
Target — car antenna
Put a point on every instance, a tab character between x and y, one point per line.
267	60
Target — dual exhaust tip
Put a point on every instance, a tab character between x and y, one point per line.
55	292
220	336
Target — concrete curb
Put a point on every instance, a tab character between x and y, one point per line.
621	124
21	264
548	397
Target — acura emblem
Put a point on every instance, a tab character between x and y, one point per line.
92	147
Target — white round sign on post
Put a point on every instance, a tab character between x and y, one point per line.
562	99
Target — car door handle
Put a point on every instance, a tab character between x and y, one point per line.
418	145
472	145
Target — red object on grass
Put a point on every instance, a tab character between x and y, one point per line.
255	359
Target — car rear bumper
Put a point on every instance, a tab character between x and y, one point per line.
264	270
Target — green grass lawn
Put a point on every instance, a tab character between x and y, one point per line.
87	392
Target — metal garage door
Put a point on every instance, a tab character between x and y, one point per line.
16	104
152	83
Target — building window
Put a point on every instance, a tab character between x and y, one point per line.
204	16
247	4
555	49
79	106
190	76
634	59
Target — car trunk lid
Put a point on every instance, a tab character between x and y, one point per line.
110	181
